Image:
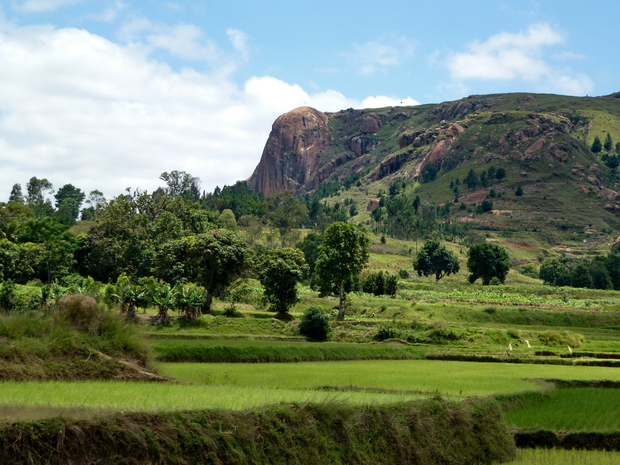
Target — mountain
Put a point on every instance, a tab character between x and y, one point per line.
541	142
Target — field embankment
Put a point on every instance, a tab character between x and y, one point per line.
76	340
429	432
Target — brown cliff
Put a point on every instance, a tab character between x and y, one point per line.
292	154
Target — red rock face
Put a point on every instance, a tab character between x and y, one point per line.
292	154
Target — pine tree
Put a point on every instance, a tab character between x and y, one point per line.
608	145
597	146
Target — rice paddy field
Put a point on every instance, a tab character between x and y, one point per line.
242	386
453	379
564	457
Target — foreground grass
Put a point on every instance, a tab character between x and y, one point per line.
433	431
449	378
564	457
135	396
573	409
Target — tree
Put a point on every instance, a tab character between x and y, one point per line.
279	271
613	268
500	174
69	194
315	324
213	260
600	274
342	256
436	259
554	272
181	183
597	146
227	217
580	276
16	194
471	180
519	191
310	247
487	261
429	173
285	212
37	189
609	143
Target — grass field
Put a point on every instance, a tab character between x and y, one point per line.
564	457
25	399
459	379
573	409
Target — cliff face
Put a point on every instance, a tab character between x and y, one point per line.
541	141
292	154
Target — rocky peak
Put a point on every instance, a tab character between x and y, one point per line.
292	153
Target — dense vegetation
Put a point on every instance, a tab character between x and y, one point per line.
382	266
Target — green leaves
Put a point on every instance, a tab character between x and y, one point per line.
343	255
279	270
487	261
436	259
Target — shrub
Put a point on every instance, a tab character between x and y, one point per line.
560	338
315	324
386	331
379	283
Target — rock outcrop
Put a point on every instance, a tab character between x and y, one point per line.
292	154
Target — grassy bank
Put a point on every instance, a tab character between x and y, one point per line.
197	350
429	432
76	340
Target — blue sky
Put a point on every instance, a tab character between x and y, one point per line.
109	94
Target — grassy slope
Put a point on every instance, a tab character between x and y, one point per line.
553	202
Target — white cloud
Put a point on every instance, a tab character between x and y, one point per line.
78	108
507	56
40	6
111	12
185	41
378	55
239	40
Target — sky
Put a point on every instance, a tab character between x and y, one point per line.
109	94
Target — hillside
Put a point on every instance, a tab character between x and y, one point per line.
541	141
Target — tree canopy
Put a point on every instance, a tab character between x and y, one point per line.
436	259
487	261
342	255
279	271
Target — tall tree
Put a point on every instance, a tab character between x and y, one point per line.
69	200
596	146
212	260
36	190
343	255
16	194
285	212
471	180
279	271
487	261
554	272
609	143
181	183
436	259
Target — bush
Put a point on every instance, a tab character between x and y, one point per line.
379	283
315	324
386	331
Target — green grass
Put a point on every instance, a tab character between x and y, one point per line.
135	396
448	378
564	457
201	350
573	409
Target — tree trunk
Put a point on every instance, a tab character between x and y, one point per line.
341	305
162	317
206	308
